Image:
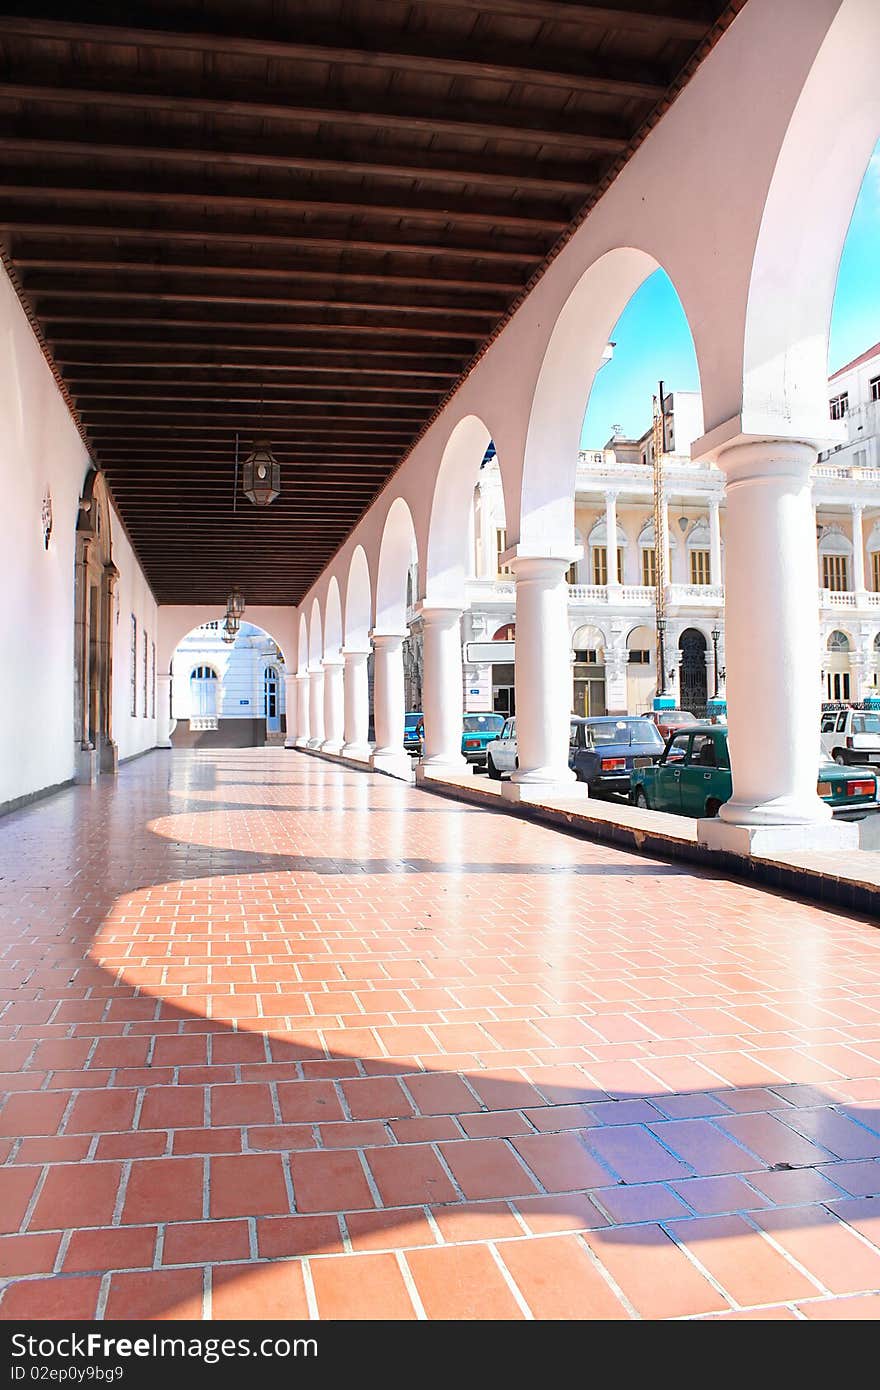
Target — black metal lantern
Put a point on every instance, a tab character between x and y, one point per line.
261	475
235	603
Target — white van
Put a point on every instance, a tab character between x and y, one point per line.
851	734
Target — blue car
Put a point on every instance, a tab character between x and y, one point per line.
602	749
478	731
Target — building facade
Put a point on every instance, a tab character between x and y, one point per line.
611	607
227	694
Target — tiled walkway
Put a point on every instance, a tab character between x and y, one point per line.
284	1040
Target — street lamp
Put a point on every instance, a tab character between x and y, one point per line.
716	638
661	656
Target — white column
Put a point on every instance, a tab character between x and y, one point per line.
356	699
858	540
389	707
715	540
316	707
291	711
163	711
543	681
442	700
333	705
771	636
611	537
303	709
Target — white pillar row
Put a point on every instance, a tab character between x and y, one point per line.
163	711
291	711
333	705
316	706
356	701
303	709
442	696
771	636
715	540
858	540
389	706
611	537
543	680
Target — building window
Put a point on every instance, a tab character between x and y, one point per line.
146	648
600	564
134	665
875	570
153	684
839	405
587	656
835	573
640	657
875	388
500	547
571	574
700	571
649	567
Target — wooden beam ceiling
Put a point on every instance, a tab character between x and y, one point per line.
301	219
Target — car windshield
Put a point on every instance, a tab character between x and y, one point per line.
411	721
866	724
677	716
483	723
626	731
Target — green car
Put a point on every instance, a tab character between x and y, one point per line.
692	778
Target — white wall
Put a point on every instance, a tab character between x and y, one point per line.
41	449
133	596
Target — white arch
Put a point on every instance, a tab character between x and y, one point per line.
571	360
840	632
177	621
316	645
396	553
834	541
358	602
449	559
584	637
332	620
303	646
830	137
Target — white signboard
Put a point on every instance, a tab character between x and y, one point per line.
478	690
478	652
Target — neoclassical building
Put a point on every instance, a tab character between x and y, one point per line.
611	606
227	695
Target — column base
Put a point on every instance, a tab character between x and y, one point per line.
441	772
767	840
109	757
540	792
164	743
331	745
393	764
357	752
314	743
301	742
86	766
290	742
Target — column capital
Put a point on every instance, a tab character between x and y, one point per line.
441	614
564	555
857	508
754	428
331	661
387	641
355	652
302	676
752	460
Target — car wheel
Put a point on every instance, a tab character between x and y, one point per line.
492	769
840	757
712	808
641	799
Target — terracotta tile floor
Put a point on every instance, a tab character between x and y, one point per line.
283	1039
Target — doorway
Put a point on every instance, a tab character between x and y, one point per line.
270	700
692	674
203	693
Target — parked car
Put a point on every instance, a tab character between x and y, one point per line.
693	778
666	721
603	749
413	731
850	734
477	732
501	753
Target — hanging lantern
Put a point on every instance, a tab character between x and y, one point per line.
261	475
235	602
227	637
230	628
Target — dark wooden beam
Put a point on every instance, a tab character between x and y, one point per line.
428	166
388	50
57	187
677	19
270	336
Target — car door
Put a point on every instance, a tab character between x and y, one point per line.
699	772
667	776
829	725
504	748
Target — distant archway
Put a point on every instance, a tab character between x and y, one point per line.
94	610
693	681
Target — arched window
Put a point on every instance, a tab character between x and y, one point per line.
599	553
838	676
835	551
506	633
271	707
838	642
203	692
699	554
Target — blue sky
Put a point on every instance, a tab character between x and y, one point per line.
653	339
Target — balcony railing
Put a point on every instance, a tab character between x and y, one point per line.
642	595
689	595
831	598
201	722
